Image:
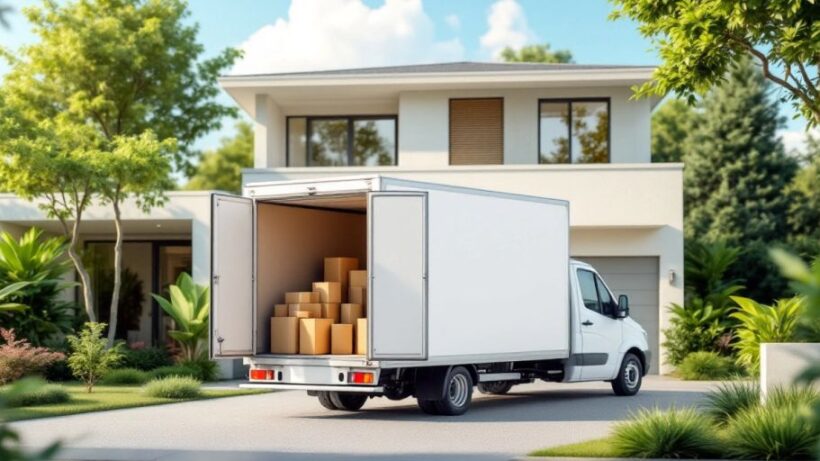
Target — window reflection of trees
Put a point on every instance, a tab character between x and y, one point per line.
590	134
371	147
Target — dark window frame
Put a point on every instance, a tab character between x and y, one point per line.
350	135
569	102
599	284
450	127
595	285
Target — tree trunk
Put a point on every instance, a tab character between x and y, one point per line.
85	278
115	292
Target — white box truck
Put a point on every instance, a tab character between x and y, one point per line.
466	288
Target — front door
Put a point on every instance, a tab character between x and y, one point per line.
600	331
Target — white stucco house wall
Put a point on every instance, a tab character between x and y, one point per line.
556	130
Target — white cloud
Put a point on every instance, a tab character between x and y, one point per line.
453	21
507	27
795	140
332	34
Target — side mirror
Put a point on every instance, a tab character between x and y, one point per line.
623	307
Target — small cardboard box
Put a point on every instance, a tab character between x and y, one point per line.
302	315
358	278
361	337
294	297
314	336
280	310
357	295
351	312
284	335
329	292
313	309
341	339
332	311
338	270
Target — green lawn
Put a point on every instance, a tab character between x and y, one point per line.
106	398
598	448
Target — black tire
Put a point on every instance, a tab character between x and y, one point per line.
349	401
428	406
495	387
458	393
630	376
324	399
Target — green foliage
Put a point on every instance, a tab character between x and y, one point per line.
677	433
221	169
694	328
706	366
90	360
146	358
700	41
731	398
792	396
175	370
125	376
672	123
203	368
9	291
39	394
771	432
764	324
706	269
189	306
804	210
41	264
173	387
10	447
540	53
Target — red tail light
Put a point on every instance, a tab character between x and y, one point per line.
263	375
360	377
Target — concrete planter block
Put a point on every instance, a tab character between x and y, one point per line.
782	363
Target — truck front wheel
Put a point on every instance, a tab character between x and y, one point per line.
348	400
458	393
630	376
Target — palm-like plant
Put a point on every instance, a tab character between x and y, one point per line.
189	305
764	324
705	269
10	291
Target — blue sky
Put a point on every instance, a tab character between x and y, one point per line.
278	35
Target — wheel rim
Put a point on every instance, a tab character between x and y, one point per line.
632	375
459	388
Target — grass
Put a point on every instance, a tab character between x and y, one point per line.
598	448
107	398
173	387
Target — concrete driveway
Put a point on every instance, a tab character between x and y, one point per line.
291	425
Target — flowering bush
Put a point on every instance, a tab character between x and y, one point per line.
19	358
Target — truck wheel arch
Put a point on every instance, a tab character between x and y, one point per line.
641	356
429	381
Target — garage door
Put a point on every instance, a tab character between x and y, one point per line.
637	278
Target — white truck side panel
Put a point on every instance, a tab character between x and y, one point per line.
497	274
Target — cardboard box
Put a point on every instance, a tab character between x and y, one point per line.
351	312
358	278
357	295
341	339
303	315
361	337
280	310
294	297
314	336
314	309
332	311
329	292
338	270
284	335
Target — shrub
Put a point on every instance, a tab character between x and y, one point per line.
189	306
764	324
797	396
90	360
204	369
695	328
731	398
125	376
173	387
37	393
702	366
771	432
58	371
19	358
666	434
146	359
175	370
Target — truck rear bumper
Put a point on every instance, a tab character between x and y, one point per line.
315	387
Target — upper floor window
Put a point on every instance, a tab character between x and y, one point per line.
341	141
573	131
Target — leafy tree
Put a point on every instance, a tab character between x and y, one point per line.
536	53
735	177
90	359
671	124
804	209
700	41
221	168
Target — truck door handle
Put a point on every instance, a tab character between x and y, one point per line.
586	323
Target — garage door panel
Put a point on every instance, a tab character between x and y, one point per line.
626	264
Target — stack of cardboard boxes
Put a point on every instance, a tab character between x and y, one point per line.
330	319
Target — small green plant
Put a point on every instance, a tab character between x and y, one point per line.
705	366
145	358
676	433
173	387
771	432
189	306
205	369
731	398
39	393
695	328
90	360
174	370
764	324
125	376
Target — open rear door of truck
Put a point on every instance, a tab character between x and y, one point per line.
232	276
397	264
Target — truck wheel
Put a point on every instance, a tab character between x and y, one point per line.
349	401
495	387
428	406
630	376
458	393
324	399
